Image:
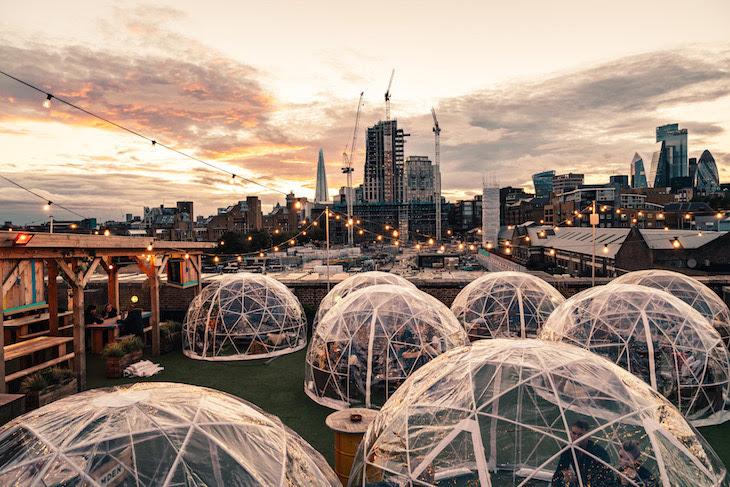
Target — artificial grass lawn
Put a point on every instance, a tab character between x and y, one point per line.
278	388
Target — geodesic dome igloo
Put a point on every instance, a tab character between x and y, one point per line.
243	317
353	283
371	341
501	413
655	336
150	434
505	304
689	290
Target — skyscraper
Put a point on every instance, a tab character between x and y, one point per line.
675	148
638	173
567	182
707	179
658	171
419	179
321	195
543	182
490	215
383	180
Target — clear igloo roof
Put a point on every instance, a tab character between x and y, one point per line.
156	434
508	412
244	316
655	336
355	282
369	342
505	304
689	290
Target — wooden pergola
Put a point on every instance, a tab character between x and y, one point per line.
75	258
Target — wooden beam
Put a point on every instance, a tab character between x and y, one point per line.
162	265
154	281
146	268
68	273
52	298
90	271
9	281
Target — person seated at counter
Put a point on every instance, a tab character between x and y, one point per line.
109	311
92	316
132	324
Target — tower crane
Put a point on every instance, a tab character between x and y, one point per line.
348	170
387	96
437	172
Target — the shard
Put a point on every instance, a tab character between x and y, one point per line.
320	194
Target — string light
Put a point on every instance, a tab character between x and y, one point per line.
149	247
239	258
418	246
337	217
471	246
304	232
276	249
298	205
442	248
361	232
186	256
395	233
552	252
261	254
47	104
605	248
222	242
396	243
387	227
489	246
430	241
216	259
508	250
107	233
47	206
249	238
379	238
315	223
675	243
461	246
292	242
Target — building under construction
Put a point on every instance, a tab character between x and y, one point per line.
384	169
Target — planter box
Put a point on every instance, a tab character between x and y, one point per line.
171	342
36	399
115	365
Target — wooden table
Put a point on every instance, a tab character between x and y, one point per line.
103	333
11	406
17	328
32	347
107	332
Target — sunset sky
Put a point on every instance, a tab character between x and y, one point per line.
258	87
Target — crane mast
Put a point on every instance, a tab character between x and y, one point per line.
437	173
387	96
348	170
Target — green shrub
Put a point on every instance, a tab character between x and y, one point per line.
132	344
114	349
34	382
169	327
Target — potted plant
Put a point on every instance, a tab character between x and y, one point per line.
118	355
47	386
170	336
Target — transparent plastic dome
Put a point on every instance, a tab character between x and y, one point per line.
505	305
371	341
655	336
244	317
355	282
155	434
501	413
689	290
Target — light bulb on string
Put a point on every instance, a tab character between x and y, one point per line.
239	258
47	101
47	206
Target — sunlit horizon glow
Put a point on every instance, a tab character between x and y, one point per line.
517	91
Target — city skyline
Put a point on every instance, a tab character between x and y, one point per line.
164	72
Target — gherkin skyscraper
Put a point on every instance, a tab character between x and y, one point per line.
321	194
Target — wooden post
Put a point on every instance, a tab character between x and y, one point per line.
199	260
2	348
79	329
52	297
154	281
112	284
